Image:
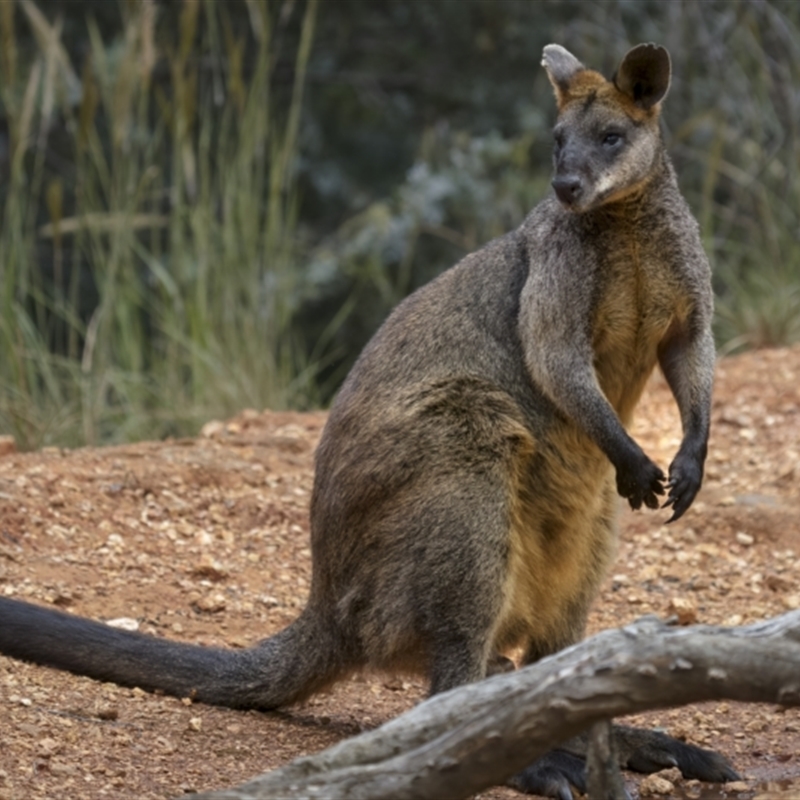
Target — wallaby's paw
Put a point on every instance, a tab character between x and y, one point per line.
640	481
552	776
659	751
685	477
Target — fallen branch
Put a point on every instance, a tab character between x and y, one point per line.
460	742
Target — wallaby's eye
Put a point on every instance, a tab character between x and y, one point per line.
612	139
558	136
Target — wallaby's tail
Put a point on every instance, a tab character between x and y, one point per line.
282	669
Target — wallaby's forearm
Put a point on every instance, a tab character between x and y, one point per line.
686	357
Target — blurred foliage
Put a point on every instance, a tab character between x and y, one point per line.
146	242
178	241
468	75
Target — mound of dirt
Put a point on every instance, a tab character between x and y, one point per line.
206	540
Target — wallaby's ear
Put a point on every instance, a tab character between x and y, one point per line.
561	68
644	74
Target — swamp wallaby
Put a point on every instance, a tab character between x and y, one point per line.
466	481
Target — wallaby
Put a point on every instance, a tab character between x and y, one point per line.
465	493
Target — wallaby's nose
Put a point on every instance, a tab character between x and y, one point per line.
568	188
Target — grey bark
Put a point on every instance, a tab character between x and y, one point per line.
603	777
476	736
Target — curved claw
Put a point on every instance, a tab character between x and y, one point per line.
680	502
685	478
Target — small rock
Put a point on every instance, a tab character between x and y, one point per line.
107	712
791	602
269	601
209	568
745	538
212	603
212	429
62	599
634	600
737	786
684	609
124	623
47	747
58	768
195	724
654	785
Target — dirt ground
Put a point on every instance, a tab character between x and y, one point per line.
206	540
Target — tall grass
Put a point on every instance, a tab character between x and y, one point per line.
177	210
743	146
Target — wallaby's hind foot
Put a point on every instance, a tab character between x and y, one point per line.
648	751
637	749
552	775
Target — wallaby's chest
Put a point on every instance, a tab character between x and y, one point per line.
638	296
636	300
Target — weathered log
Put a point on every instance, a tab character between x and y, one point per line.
603	779
476	736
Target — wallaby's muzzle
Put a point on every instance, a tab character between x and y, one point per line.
568	188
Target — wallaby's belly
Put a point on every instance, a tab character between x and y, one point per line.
562	538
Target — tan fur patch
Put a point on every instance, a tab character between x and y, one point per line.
588	81
558	551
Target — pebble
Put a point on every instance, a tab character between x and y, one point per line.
124	623
684	609
655	785
212	429
212	603
209	568
47	747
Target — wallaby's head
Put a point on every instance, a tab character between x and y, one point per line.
607	137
